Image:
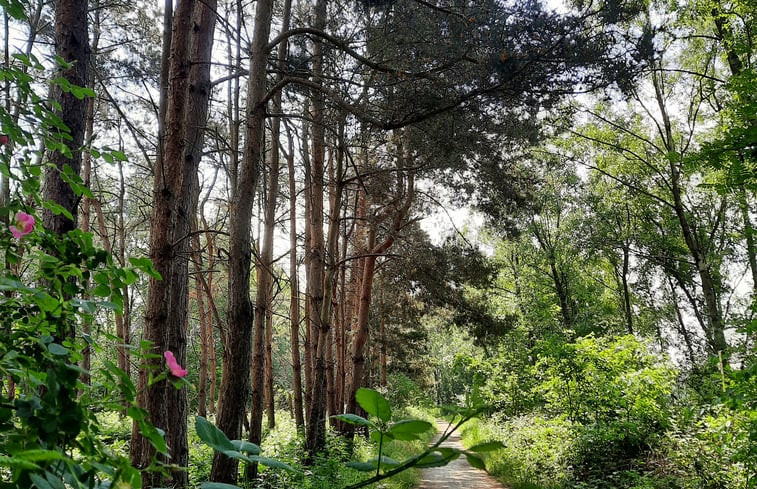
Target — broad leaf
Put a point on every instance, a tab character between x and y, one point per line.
410	429
354	419
362	466
373	403
386	462
376	436
487	447
475	461
211	435
246	446
276	464
439	457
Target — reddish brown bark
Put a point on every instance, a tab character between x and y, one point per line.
174	203
72	46
237	354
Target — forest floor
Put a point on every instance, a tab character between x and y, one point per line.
458	474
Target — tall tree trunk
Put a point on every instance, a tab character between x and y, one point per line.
294	297
175	196
235	384
202	383
315	436
626	289
405	195
715	331
320	284
86	210
212	315
262	368
270	399
72	46
308	346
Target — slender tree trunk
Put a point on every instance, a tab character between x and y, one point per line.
360	334
202	374
270	400
308	346
682	324
212	315
322	281
294	298
237	354
715	325
175	202
86	211
262	366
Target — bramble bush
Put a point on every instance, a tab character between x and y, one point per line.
51	435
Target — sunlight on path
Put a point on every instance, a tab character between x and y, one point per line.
457	474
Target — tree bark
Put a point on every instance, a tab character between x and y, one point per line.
315	437
715	331
405	195
175	194
294	292
235	383
72	45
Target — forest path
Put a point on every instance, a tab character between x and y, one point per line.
458	474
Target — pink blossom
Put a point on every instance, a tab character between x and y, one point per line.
23	225
173	365
3	139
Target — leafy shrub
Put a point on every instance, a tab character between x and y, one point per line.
404	391
537	451
703	450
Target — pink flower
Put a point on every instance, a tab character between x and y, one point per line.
23	225
173	365
3	139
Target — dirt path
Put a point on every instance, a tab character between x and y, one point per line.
458	474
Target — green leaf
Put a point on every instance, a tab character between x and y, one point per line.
46	302
410	429
145	265
487	447
81	92
17	463
386	462
362	466
475	461
246	446
153	434
101	291
212	436
57	209
377	435
440	457
101	278
14	8
57	349
40	482
354	419
373	403
276	464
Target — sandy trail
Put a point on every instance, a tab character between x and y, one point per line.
458	474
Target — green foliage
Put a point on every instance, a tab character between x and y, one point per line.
52	430
617	382
605	402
